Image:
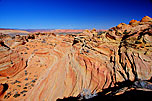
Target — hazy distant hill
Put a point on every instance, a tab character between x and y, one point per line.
13	31
58	30
54	30
38	30
26	31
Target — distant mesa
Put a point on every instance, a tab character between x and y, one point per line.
5	29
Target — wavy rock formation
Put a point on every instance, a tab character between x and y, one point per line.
10	61
48	66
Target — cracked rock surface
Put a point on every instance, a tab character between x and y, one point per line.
47	66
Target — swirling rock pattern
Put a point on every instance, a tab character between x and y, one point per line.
49	67
10	62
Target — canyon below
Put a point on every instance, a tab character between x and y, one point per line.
80	65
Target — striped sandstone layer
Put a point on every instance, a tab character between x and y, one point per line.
59	66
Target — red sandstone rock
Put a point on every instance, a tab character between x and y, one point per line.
10	62
1	89
134	22
146	19
54	66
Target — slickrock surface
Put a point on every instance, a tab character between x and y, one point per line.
49	66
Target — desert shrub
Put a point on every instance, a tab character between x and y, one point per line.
143	84
110	30
101	32
43	41
86	94
118	33
78	32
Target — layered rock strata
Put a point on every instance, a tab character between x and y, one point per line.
48	67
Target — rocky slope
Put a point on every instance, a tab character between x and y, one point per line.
48	66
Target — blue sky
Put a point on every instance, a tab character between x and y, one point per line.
71	14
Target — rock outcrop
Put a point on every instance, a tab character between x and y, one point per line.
146	19
134	22
51	66
10	62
